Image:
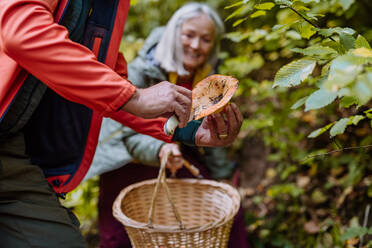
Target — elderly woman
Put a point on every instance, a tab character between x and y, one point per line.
183	52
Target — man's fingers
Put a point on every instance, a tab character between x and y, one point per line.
184	101
182	114
184	91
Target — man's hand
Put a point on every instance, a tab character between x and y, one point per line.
175	159
161	100
220	129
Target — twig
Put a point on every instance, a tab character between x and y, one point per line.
365	222
335	141
339	150
307	20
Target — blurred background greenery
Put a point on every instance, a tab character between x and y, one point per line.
305	145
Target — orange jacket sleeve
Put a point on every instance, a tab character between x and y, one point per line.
152	127
30	36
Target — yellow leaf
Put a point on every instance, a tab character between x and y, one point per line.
258	13
265	6
363	52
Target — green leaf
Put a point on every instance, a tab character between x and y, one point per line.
343	71
356	119
325	70
343	92
305	29
258	13
317	51
288	171
300	8
334	45
347	41
235	13
361	42
319	99
363	52
319	131
346	4
348	101
314	16
353	232
234	5
308	1
293	35
339	127
299	103
265	6
281	189
363	88
318	197
257	34
280	26
236	36
326	32
236	23
294	73
285	2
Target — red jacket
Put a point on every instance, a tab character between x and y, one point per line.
31	41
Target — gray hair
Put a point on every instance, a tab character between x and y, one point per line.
169	51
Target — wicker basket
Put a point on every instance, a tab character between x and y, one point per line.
182	213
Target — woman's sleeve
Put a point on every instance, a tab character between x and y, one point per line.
135	73
142	148
30	36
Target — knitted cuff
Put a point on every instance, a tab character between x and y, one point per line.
187	134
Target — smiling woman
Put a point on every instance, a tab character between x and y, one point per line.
184	52
191	40
197	36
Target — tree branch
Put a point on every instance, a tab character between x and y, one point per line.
306	19
339	150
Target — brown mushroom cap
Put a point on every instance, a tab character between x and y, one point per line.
212	94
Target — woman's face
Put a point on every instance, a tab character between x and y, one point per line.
197	36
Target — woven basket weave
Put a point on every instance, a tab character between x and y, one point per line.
182	213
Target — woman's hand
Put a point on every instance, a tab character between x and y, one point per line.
175	159
220	129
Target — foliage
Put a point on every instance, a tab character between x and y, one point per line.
83	201
311	60
343	57
304	68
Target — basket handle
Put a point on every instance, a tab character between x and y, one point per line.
162	181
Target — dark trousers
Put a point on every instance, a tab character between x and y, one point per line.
30	212
112	232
